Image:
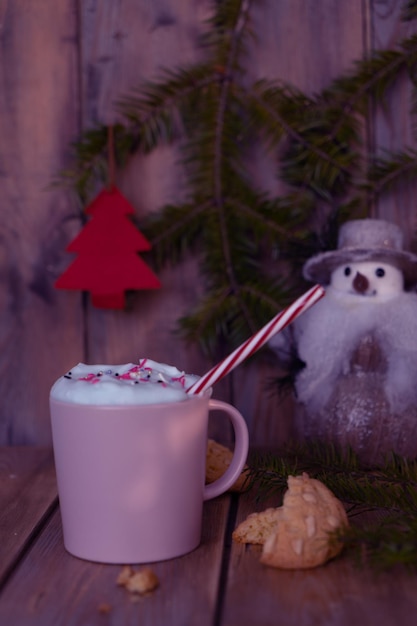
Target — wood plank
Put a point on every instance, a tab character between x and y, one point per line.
307	44
38	119
122	47
28	492
339	593
393	125
130	41
58	588
268	415
95	58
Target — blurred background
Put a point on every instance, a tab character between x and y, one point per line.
64	68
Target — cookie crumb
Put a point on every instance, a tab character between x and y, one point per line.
138	582
124	576
143	581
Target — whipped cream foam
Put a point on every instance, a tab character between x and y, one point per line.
147	382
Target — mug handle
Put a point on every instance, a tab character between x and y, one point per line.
240	453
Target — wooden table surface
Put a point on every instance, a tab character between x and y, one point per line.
220	583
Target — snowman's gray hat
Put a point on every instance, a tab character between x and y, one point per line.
364	240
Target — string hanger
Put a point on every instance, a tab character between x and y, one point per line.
111	159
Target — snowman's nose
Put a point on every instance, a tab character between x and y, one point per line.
360	283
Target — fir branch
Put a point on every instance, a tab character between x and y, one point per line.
409	11
212	320
91	159
154	108
241	20
269	299
279	216
216	114
273	101
384	173
370	78
174	233
389	537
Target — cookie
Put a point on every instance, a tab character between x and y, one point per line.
297	535
218	459
257	527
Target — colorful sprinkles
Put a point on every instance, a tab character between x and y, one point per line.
140	373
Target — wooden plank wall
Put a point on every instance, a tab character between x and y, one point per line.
62	66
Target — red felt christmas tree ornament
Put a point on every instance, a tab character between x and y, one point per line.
107	264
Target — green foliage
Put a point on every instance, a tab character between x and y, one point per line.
381	501
409	11
251	246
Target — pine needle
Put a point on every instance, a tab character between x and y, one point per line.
217	115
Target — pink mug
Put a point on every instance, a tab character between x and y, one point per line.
131	478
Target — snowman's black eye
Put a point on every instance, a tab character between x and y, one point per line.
380	272
347	271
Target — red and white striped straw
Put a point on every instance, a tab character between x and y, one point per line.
251	345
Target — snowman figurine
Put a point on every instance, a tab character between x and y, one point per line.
356	385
